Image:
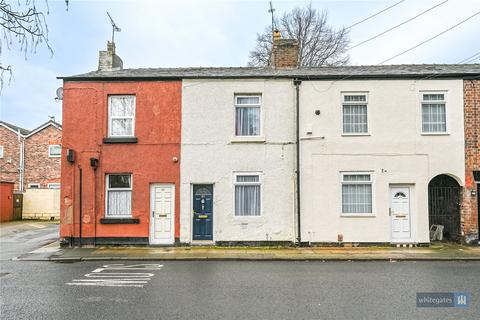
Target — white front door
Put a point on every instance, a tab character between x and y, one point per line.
162	213
400	213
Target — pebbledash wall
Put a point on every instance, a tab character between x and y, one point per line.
212	154
470	206
148	159
394	151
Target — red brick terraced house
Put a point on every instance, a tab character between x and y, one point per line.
11	153
120	164
31	158
203	155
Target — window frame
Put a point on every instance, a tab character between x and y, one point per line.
259	106
260	183
107	189
444	101
1	152
32	184
110	117
50	155
371	182
49	185
366	102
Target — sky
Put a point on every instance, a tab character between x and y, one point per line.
213	33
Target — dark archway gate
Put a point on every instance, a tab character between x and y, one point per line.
444	200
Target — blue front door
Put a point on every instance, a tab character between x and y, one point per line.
202	212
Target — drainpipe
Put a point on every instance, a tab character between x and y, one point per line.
297	84
22	161
81	206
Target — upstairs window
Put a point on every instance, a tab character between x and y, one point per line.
1	152
53	185
119	195
247	115
355	118
121	116
434	118
247	195
54	150
356	193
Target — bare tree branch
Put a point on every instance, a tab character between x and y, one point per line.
319	44
22	25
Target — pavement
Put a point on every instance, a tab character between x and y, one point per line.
436	252
50	250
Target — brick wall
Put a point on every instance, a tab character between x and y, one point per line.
10	163
39	167
469	219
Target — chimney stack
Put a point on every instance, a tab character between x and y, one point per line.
108	60
284	52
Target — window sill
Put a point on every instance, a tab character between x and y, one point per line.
435	133
252	139
358	215
356	134
120	140
119	221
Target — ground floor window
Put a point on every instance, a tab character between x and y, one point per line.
53	185
357	193
247	194
119	195
34	185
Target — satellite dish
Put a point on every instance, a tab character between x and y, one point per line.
60	93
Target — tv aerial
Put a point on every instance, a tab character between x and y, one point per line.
115	28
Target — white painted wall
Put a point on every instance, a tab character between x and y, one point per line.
395	151
210	155
41	204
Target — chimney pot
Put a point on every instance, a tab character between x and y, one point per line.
276	35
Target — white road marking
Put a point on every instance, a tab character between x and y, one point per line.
104	284
102	277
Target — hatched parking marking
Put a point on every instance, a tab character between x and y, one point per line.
104	277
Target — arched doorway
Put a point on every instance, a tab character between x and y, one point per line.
444	198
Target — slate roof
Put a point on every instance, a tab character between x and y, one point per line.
44	125
15	128
25	132
347	72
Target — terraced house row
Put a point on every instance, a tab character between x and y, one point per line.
353	154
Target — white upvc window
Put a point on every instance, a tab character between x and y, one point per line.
119	195
248	194
54	151
357	196
34	185
354	113
54	185
434	117
248	115
121	116
1	152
